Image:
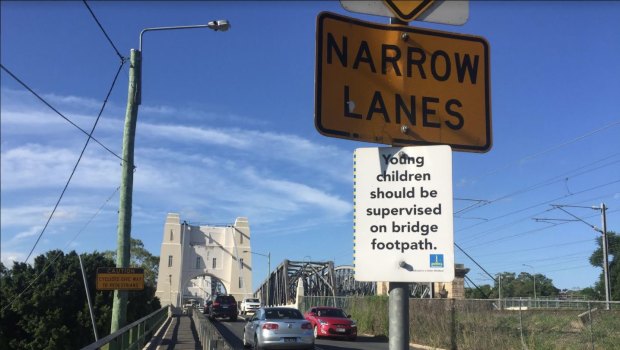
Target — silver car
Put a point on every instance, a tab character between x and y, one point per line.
278	328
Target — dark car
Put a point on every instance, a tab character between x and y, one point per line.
223	306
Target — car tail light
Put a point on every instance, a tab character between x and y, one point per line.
216	304
306	326
270	326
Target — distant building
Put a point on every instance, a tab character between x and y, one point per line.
451	290
454	289
196	259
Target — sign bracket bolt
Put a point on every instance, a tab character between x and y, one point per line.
404	129
405	36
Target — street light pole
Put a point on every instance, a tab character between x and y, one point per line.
134	93
268	256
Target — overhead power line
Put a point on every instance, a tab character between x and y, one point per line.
547	182
77	162
123	59
474	261
552	148
518	234
543	203
467	279
53	259
512	224
57	112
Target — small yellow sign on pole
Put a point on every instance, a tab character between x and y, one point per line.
408	10
400	85
120	278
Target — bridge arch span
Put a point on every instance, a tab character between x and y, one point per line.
188	251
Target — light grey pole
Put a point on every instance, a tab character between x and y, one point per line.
604	245
605	257
534	277
399	316
90	305
268	256
399	296
500	291
268	274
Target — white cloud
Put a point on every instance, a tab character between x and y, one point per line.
17	216
212	173
75	102
8	257
292	149
304	194
42	166
32	231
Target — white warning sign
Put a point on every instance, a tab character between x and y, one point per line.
403	225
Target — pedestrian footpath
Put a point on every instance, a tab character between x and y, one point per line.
180	334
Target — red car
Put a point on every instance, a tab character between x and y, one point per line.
331	322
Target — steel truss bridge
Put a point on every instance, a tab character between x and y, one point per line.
320	278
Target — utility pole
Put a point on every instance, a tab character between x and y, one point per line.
605	255
123	238
500	291
534	277
604	244
134	97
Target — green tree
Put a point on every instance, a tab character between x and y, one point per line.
140	257
515	286
596	259
44	305
482	292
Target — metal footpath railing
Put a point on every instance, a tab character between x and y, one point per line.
133	336
209	336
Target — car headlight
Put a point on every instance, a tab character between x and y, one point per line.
353	324
322	322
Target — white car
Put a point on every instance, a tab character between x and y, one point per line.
278	328
249	305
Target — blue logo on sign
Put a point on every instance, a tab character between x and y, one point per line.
436	260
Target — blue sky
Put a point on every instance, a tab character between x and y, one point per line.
226	129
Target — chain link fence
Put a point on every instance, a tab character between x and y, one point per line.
488	324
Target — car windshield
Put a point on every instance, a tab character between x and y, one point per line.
252	300
275	314
331	313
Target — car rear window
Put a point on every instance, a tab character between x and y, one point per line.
226	299
276	314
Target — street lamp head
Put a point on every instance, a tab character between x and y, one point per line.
221	25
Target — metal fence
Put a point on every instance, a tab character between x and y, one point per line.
488	324
209	336
133	336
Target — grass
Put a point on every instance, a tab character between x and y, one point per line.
477	325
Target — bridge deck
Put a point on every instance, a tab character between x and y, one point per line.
181	334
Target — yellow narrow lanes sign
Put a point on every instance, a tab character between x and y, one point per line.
399	85
408	10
